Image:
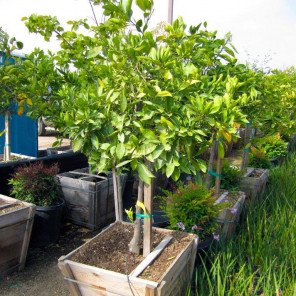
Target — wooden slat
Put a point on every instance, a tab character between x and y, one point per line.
147	237
109	280
151	257
172	279
27	236
67	273
14	217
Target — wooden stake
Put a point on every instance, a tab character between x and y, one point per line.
246	152
7	146
218	178
211	162
148	220
119	195
115	189
134	245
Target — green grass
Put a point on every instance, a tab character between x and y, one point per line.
261	259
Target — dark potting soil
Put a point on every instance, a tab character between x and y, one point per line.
110	251
256	174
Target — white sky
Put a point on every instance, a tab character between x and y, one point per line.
260	28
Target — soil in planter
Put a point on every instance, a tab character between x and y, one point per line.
6	208
255	174
110	251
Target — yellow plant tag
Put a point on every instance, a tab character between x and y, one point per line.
142	206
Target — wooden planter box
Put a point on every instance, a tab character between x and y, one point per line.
85	280
89	198
15	232
229	217
254	186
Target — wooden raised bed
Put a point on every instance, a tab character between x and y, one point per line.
86	280
89	198
16	221
229	217
254	182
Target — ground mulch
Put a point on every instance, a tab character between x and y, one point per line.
41	275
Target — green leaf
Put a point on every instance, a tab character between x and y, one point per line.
221	151
167	75
176	174
19	44
148	134
121	137
144	4
164	94
94	52
170	167
127	7
77	144
120	150
105	146
123	163
163	120
144	173
2	133
202	165
141	95
95	141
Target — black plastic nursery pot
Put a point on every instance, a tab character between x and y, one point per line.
66	161
47	224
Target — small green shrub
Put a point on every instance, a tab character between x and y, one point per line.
259	159
231	177
272	145
192	208
36	184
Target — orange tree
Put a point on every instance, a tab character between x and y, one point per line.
131	98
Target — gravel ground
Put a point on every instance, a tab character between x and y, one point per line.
41	275
47	140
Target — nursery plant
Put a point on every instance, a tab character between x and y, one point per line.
259	159
13	92
231	177
191	208
272	145
132	96
36	184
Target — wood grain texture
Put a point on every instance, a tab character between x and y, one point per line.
15	233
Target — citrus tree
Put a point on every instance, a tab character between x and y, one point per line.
13	92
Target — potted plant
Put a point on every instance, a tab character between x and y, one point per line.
36	183
16	220
192	208
14	90
145	106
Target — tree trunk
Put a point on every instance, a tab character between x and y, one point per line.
117	194
246	151
218	177
134	245
147	244
211	162
7	145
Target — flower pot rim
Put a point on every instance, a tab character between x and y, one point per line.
51	208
